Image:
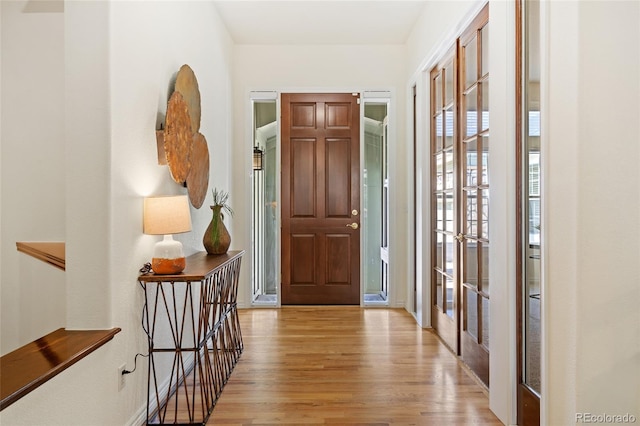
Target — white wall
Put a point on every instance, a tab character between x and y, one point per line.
439	22
121	58
502	226
591	104
320	68
32	173
87	163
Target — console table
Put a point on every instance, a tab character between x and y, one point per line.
194	337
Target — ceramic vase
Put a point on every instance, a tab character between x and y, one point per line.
216	238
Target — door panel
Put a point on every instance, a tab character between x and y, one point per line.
320	190
338	259
474	219
460	197
303	116
338	176
444	251
338	115
303	270
303	197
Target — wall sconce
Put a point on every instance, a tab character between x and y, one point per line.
166	216
258	156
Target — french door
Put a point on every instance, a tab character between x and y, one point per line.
460	196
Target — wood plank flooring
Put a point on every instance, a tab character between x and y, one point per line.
346	366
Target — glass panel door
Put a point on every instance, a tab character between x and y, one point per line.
444	219
474	220
529	204
532	193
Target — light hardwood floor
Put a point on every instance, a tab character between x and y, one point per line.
346	366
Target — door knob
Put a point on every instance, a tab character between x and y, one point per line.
353	225
460	237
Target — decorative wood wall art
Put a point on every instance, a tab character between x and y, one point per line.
187	85
185	148
198	178
178	138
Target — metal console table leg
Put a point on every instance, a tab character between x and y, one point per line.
194	337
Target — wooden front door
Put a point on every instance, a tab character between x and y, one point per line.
320	199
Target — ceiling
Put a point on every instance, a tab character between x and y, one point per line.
344	22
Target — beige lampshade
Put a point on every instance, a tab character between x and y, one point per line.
166	215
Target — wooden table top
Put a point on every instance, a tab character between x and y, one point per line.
199	266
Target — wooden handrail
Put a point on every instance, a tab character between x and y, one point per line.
51	252
28	367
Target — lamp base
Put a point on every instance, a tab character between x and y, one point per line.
162	266
168	257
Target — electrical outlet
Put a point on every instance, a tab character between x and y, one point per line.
121	377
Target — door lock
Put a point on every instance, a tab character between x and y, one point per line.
460	237
353	225
354	212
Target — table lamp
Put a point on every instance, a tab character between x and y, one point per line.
166	216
